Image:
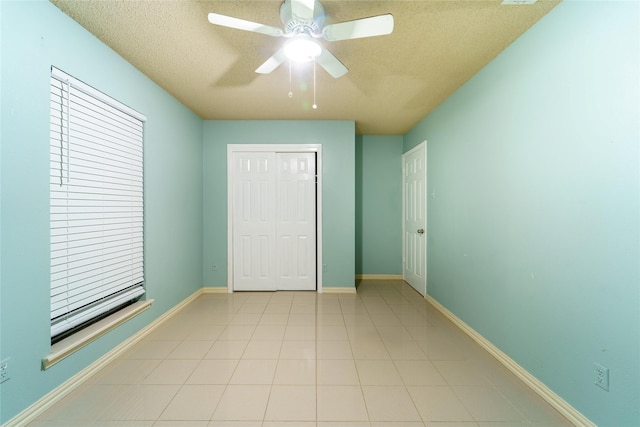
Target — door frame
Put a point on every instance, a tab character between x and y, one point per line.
426	216
277	148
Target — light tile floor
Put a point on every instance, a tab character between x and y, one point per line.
381	358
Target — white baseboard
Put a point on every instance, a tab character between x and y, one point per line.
337	290
379	276
215	290
558	403
55	395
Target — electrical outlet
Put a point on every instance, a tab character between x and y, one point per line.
214	267
4	370
601	376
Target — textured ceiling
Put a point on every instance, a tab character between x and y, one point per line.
392	83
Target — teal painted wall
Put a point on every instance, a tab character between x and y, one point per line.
36	35
535	226
379	204
338	189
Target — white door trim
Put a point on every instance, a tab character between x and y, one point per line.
278	148
423	144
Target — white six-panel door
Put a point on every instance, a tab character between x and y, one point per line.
274	221
254	225
414	181
295	221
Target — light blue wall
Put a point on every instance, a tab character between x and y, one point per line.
534	231
338	189
379	204
36	35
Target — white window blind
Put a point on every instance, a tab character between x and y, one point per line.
96	203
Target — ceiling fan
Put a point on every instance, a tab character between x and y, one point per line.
303	22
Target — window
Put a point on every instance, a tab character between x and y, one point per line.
96	205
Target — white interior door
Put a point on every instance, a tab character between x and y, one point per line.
414	200
296	221
273	221
254	225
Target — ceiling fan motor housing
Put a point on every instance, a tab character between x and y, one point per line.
294	25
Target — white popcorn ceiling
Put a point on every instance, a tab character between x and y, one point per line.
392	83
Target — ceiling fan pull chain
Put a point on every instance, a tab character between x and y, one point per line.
314	106
290	93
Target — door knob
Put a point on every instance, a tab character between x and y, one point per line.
421	231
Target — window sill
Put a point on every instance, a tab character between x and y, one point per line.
70	345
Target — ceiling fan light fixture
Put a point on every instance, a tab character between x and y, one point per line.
302	49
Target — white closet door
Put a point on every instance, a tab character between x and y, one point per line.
296	221
254	224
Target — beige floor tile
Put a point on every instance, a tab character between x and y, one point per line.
268	319
486	404
438	403
190	350
337	372
262	349
378	372
205	332
84	404
298	349
379	358
232	349
125	423
295	372
341	403
389	403
148	349
193	402
334	350
237	332
419	372
359	318
405	350
141	402
291	403
215	423
171	372
243	403
395	334
252	308
303	308
326	318
331	333
269	332
254	372
181	423
289	424
363	333
343	424
508	424
300	332
245	319
397	424
369	350
277	308
461	372
303	319
125	371
213	371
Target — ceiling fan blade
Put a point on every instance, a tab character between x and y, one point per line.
272	63
331	64
303	9
365	27
241	24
